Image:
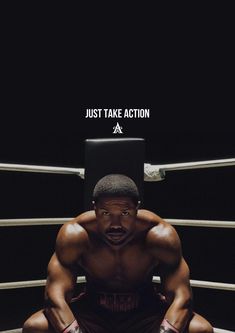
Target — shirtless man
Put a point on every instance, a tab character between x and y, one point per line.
118	246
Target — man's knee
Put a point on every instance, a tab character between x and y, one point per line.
29	326
205	328
200	325
37	323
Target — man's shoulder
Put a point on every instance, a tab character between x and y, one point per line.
85	218
162	239
73	238
156	225
159	231
147	215
162	234
81	223
76	230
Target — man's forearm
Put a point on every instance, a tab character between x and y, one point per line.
59	314
179	313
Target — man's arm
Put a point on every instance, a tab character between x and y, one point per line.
70	244
176	286
174	274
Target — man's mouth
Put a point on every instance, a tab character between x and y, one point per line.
115	234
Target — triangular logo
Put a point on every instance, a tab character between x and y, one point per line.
117	129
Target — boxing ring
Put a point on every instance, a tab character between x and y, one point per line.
151	173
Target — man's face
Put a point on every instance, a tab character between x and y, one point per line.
116	219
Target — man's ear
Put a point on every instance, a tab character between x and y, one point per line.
93	203
138	204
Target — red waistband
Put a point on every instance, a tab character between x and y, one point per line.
118	302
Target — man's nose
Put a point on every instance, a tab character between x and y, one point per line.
116	220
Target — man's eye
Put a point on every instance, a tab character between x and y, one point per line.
105	213
125	213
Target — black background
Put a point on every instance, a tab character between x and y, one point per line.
182	70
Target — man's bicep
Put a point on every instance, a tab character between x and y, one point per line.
61	279
168	254
175	279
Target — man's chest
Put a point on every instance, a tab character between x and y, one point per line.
118	267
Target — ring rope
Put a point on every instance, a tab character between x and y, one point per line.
157	172
82	279
151	172
218	330
55	221
41	169
33	221
201	223
205	284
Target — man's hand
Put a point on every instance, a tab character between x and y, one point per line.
72	328
166	327
165	330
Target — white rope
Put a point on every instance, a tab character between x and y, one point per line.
219	330
151	172
157	172
205	284
198	165
41	169
16	330
57	221
22	284
202	223
82	279
33	283
33	221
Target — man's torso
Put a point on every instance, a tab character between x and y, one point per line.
118	269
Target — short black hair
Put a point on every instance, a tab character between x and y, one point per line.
116	185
